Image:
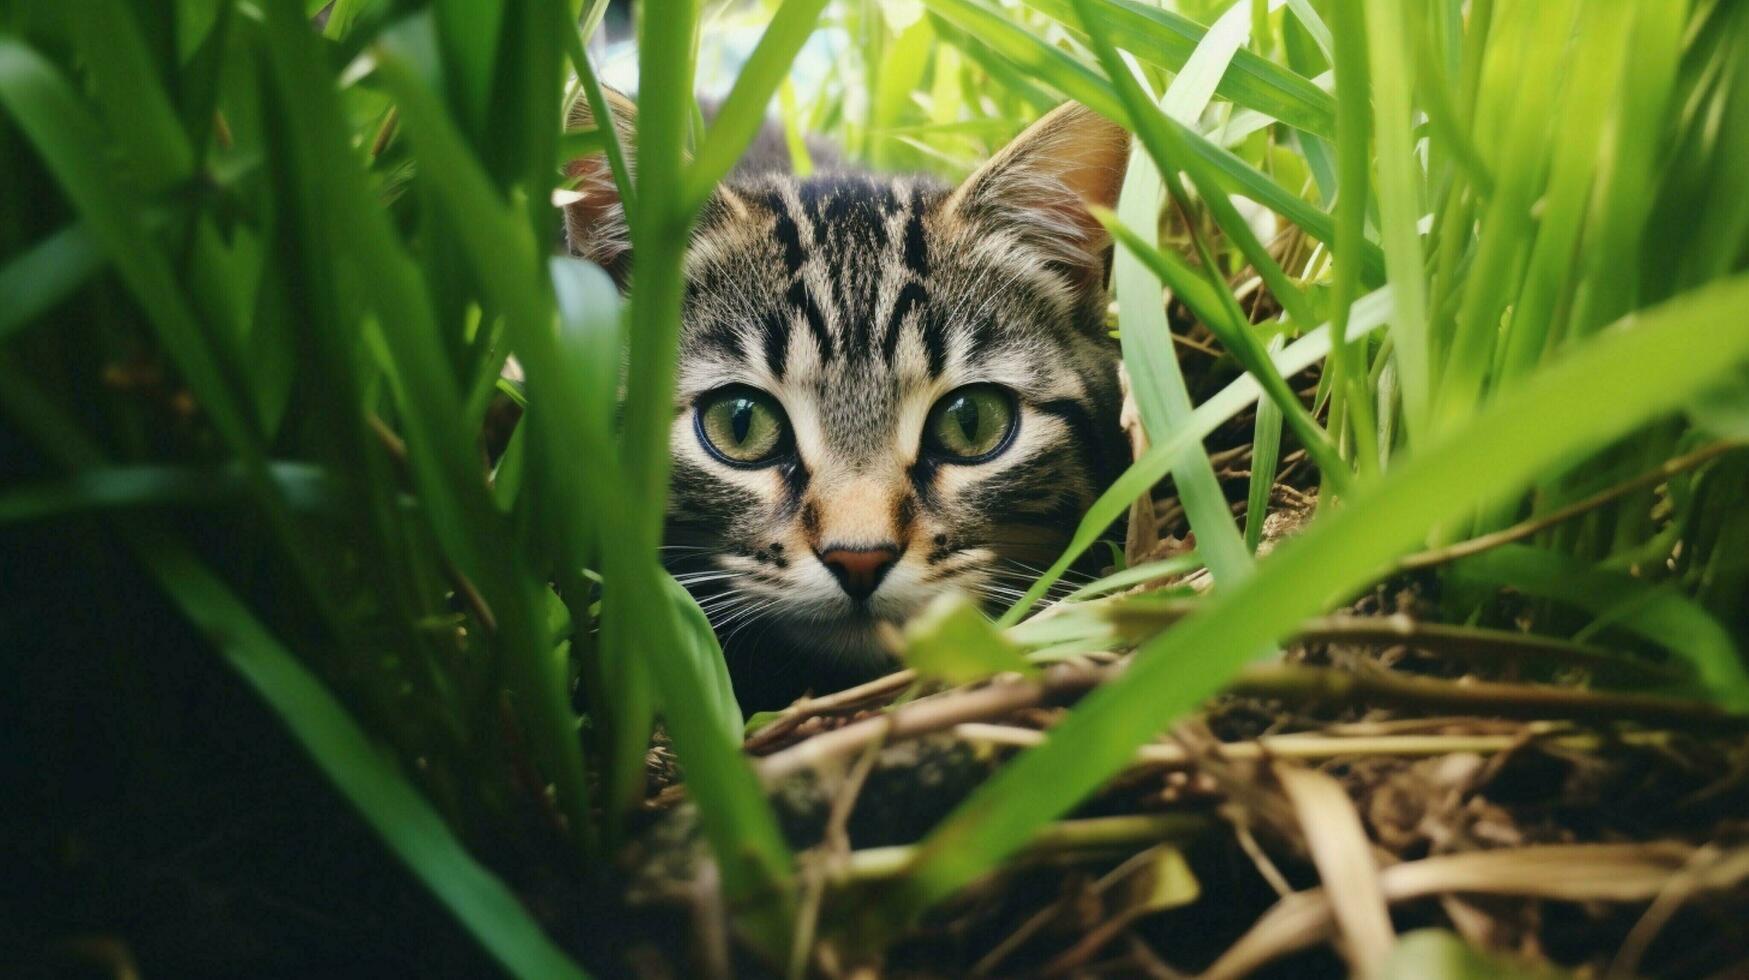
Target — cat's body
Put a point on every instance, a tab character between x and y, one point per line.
888	389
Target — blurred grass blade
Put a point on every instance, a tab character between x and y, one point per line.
639	620
32	282
1645	365
511	271
130	94
1351	415
306	488
951	641
743	112
706	656
400	816
70	142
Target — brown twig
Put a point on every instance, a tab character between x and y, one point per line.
1315	747
1065	682
1344	857
1090	834
1477	643
932	714
1472	642
840	702
1533	525
1563	872
1303	684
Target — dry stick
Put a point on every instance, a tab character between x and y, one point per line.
1476	643
1317	748
1681	886
1343	856
1472	642
834	846
1282	682
1295	683
1052	910
1562	872
931	715
1526	528
1091	834
1074	960
849	699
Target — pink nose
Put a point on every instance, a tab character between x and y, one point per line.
859	570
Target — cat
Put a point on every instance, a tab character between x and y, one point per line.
889	388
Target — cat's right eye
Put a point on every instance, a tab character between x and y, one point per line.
742	426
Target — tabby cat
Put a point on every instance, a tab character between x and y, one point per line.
888	389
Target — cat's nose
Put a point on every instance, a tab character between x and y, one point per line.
859	570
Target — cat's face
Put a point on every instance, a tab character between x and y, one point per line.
888	390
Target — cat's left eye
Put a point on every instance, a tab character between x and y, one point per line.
971	424
742	426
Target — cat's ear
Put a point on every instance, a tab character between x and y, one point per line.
1045	180
595	218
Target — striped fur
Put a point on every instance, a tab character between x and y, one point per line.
857	301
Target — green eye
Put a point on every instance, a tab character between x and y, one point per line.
741	425
972	423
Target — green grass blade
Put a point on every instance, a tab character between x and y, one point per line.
131	96
983	32
743	112
984	26
1660	615
1136	575
1238	337
1169	40
32	282
1152	467
1156	382
1645	365
1492	282
70	142
364	775
305	486
1265	451
1164	139
1314	26
1353	160
639	620
510	269
603	114
1399	212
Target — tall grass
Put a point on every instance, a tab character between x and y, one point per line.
1512	233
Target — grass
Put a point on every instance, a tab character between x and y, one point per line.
1512	233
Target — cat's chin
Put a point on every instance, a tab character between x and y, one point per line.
852	641
806	656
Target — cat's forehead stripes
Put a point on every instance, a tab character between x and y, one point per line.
842	258
850	296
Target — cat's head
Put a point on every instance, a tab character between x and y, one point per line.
888	389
